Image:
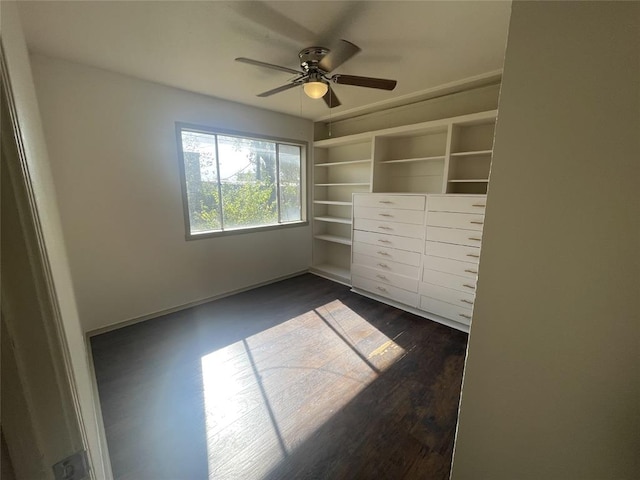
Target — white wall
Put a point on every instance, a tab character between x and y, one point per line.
113	152
552	382
67	332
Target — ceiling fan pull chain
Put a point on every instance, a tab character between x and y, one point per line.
330	103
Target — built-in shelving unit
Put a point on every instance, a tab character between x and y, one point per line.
451	155
470	154
342	166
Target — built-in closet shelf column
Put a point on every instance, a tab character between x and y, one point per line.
411	161
341	167
471	149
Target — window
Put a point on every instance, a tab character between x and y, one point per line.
233	182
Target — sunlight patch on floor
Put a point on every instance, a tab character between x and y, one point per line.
266	394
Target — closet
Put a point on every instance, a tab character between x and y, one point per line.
401	194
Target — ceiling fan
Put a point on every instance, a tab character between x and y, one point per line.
316	64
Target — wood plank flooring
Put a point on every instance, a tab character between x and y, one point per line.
301	379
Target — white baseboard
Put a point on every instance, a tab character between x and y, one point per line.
150	316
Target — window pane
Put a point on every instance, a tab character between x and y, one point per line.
199	153
248	181
290	184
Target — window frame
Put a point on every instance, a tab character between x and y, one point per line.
304	180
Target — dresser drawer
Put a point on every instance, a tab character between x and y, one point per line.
454	235
401	243
386	253
384	290
390	215
386	265
399	281
405	202
401	229
455	252
457	203
455	267
444	294
466	221
449	280
447	310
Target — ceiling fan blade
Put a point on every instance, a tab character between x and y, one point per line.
330	98
283	88
267	65
369	82
342	52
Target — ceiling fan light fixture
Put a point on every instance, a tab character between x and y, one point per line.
315	90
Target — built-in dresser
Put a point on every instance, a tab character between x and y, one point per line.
398	213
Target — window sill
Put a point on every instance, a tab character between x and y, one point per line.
243	230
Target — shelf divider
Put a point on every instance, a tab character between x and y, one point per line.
339	164
474	153
417	159
333	239
346	221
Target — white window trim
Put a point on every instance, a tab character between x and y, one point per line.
304	181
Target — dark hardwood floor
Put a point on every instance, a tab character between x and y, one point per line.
301	379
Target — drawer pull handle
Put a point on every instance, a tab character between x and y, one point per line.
468	286
382	289
472	271
466	301
473	255
475	239
465	315
478	205
385	215
384	227
382	277
383	253
477	223
383	265
385	201
384	241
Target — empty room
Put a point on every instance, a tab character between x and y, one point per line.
320	240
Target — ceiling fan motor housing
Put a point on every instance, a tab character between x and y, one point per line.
310	57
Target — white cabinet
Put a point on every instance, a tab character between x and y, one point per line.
447	156
388	245
419	252
451	255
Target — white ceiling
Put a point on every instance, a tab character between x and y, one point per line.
192	45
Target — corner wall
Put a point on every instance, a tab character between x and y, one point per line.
552	380
113	152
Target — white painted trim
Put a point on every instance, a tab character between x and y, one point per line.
421	313
415	97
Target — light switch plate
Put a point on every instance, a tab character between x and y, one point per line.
74	467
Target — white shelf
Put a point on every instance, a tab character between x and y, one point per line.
475	153
470	180
337	164
342	184
418	159
346	221
333	202
333	239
